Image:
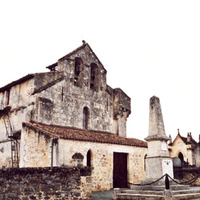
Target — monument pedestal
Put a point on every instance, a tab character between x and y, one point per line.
158	163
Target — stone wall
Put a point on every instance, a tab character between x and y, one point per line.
197	156
108	108
45	183
67	103
18	95
36	151
186	174
102	161
19	109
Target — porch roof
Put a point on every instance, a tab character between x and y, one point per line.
69	133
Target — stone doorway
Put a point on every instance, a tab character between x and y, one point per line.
120	177
180	155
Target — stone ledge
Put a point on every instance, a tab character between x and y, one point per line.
85	171
160	137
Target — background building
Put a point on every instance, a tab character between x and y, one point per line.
186	149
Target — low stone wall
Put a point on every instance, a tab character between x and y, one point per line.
45	183
186	174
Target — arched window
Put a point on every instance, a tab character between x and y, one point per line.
78	68
85	117
89	158
94	76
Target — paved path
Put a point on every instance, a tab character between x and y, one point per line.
107	195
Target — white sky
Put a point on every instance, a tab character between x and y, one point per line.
148	48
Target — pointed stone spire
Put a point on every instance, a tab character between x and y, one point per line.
156	124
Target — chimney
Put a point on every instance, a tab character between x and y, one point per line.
188	137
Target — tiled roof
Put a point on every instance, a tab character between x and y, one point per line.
184	139
83	135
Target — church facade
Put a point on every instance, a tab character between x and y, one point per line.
68	117
186	149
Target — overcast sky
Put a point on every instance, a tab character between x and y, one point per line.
148	48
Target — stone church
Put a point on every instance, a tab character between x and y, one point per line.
69	116
186	149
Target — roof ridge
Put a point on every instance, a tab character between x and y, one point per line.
69	127
72	52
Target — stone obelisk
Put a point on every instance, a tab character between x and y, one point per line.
158	161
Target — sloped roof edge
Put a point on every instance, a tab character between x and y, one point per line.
79	48
21	80
28	77
184	139
67	133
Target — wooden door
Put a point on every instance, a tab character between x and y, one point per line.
120	170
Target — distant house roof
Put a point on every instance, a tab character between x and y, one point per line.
83	135
184	139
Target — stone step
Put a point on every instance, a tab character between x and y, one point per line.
190	191
127	196
161	187
194	196
160	192
142	192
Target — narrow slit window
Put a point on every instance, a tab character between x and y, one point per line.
85	117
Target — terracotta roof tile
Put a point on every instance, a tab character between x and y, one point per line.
83	135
